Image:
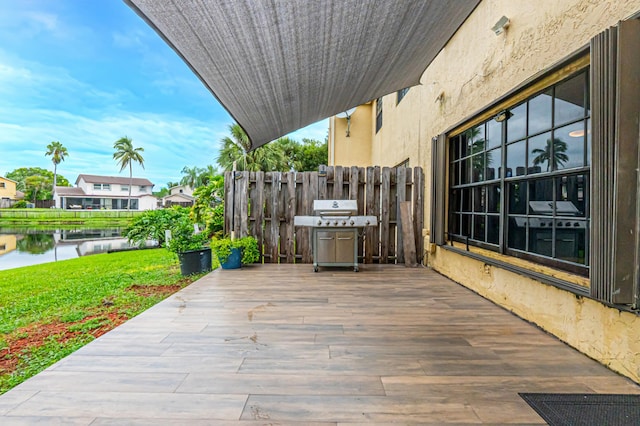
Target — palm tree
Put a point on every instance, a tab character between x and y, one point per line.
237	148
125	155
57	151
554	154
191	176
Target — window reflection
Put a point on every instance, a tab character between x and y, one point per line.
517	123
517	232
494	134
493	160
569	100
478	198
493	229
538	156
478	166
540	113
478	228
571	139
540	153
517	198
516	159
541	200
493	198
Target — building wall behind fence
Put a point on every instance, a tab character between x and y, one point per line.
264	205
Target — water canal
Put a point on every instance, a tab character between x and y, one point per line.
30	246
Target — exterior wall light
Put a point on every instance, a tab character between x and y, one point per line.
501	25
503	115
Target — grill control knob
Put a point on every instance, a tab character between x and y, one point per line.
344	222
351	222
319	222
366	223
328	223
335	222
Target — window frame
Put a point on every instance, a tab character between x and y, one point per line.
462	220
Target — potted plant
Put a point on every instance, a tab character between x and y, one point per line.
191	247
232	253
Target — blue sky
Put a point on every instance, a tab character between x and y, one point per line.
87	72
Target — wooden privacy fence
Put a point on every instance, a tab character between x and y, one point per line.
264	204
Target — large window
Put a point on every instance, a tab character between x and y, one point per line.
519	182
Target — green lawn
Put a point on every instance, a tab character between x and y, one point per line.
48	311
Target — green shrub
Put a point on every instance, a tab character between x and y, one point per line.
152	224
248	247
21	204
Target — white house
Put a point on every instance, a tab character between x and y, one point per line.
179	194
106	192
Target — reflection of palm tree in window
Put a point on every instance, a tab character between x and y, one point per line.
479	161
559	149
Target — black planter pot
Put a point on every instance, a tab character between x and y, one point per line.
195	261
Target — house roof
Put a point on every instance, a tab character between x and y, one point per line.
114	179
279	65
179	195
68	191
10	180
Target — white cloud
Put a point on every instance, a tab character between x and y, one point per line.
169	143
133	39
42	20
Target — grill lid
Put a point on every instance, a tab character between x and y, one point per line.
335	207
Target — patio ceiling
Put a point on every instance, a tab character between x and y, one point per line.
279	65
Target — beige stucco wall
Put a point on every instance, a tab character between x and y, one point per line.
475	68
8	243
9	190
354	150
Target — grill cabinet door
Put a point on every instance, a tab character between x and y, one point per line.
344	247
326	241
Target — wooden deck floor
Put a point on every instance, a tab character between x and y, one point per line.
279	344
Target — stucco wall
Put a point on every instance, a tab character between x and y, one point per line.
9	190
354	150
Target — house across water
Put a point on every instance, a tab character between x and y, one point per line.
94	192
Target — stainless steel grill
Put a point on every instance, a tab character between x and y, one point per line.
335	232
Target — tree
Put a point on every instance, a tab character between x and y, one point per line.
191	176
57	152
237	148
20	176
312	154
125	155
208	207
554	154
36	185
